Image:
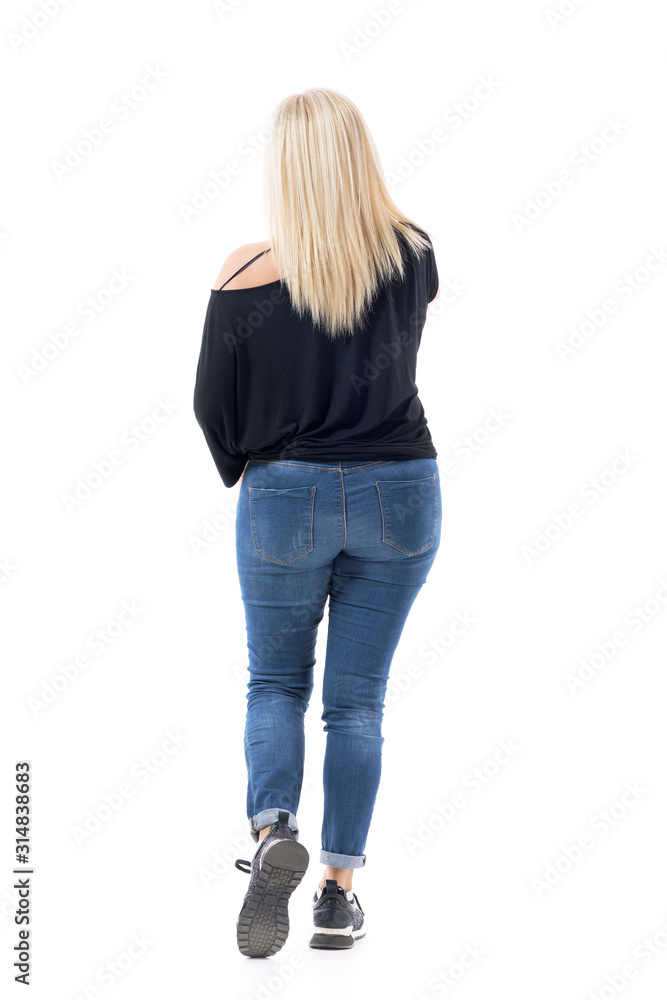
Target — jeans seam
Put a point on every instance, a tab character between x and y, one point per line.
342	506
282	562
321	468
384	525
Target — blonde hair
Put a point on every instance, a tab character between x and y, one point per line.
333	225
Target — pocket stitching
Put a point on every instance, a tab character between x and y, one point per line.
384	521
283	562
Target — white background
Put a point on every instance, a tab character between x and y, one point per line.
433	889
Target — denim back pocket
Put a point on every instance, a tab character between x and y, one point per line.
282	522
409	513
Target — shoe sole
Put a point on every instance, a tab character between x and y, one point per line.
328	938
263	924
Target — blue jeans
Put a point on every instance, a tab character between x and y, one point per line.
364	536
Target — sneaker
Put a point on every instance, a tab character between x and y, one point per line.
338	917
279	864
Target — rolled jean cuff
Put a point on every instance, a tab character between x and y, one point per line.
266	818
342	860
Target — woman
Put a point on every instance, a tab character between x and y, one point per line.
306	383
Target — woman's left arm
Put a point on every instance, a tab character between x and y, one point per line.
214	400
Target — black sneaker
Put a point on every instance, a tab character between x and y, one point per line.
338	917
279	864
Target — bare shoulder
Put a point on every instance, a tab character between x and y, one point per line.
237	259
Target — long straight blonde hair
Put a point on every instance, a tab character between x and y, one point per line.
333	225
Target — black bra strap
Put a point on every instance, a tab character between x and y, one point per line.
244	267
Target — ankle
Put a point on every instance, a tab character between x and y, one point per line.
343	876
341	885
